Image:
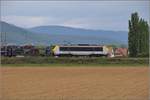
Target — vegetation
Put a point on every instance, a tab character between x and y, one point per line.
138	36
73	61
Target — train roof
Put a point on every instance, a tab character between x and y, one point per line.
80	45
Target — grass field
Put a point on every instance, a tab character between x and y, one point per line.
73	61
74	83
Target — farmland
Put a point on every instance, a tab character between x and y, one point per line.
74	83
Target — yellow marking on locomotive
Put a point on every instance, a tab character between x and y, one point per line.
55	48
105	49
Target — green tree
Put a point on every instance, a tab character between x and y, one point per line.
138	36
133	34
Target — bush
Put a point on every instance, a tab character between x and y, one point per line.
143	55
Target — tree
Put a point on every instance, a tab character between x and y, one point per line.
133	34
138	36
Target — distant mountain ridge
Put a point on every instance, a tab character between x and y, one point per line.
99	35
46	35
18	36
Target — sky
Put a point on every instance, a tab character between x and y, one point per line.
104	15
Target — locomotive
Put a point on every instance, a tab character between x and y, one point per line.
80	50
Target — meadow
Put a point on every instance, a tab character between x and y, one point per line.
73	61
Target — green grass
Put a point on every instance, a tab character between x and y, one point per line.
69	65
73	61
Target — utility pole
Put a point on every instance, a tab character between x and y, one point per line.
5	44
25	38
1	43
1	39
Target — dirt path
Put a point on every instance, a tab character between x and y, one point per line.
74	83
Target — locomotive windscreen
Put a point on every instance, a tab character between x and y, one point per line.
81	48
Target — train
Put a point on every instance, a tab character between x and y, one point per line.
80	50
58	50
14	50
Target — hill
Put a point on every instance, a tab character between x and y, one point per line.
19	36
79	35
46	35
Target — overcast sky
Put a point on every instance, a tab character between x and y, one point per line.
106	15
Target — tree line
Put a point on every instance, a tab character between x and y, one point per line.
138	36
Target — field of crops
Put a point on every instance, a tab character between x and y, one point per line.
74	83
